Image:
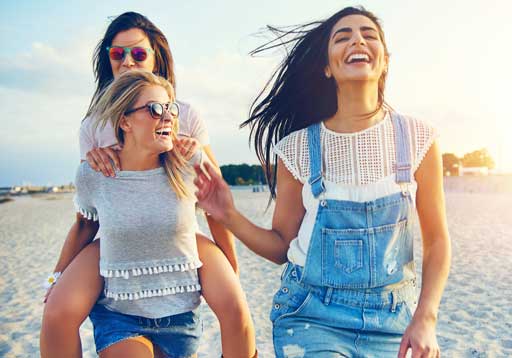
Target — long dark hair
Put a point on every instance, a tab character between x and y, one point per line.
298	93
164	63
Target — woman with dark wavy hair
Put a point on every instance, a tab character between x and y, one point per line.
132	42
350	174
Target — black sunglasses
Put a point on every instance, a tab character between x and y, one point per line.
158	110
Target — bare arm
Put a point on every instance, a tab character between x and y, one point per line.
430	203
214	196
82	232
222	236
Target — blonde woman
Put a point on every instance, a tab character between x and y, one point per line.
148	251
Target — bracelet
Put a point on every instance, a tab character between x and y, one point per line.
51	279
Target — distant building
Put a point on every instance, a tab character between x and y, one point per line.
17	190
473	171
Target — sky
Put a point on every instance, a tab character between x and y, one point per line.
450	66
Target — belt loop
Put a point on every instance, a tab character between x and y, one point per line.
286	270
394	300
327	297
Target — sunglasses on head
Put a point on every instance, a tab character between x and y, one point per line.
158	110
118	53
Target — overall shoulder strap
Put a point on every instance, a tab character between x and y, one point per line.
315	160
402	148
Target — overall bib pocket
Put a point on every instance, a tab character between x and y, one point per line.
348	255
345	257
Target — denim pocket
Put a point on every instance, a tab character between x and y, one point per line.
348	255
289	299
344	261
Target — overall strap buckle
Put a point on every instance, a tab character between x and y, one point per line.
404	187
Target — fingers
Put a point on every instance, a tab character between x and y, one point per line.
114	156
416	353
404	346
201	178
193	148
99	160
47	294
210	170
425	352
202	172
187	147
207	180
203	187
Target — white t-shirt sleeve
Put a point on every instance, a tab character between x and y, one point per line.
197	126
86	138
95	136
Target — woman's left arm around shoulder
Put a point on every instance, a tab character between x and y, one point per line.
430	203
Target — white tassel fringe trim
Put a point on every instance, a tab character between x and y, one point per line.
86	214
152	293
150	270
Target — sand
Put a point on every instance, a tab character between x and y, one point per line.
475	317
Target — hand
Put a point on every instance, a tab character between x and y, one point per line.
47	294
99	160
187	146
213	194
420	336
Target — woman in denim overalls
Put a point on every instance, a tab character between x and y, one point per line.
350	175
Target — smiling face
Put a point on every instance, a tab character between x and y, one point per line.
150	134
356	51
132	38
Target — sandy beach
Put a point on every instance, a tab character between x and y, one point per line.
475	318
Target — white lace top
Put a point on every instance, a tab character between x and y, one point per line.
357	166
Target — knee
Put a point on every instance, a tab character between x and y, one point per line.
60	314
232	309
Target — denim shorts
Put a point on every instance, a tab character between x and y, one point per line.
313	322
176	335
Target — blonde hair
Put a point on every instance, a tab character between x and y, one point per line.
120	96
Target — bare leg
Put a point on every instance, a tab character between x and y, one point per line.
223	293
137	347
69	304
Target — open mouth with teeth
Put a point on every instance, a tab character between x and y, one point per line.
358	58
163	132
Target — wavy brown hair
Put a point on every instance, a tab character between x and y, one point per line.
164	62
298	93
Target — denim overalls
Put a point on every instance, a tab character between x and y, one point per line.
356	293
